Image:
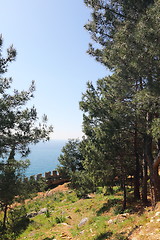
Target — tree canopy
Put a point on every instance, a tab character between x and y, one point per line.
19	127
126	34
18	124
121	112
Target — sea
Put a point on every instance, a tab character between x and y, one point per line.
44	157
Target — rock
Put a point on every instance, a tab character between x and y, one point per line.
157	214
110	221
32	214
83	222
66	224
31	234
89	196
125	215
43	210
152	220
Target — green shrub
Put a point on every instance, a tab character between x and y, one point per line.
57	197
60	219
17	220
47	213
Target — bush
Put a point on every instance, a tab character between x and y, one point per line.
17	220
33	186
82	183
60	219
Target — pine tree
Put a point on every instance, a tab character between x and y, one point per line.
18	128
18	124
126	34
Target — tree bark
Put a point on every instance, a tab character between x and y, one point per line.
124	196
137	167
153	168
144	181
5	216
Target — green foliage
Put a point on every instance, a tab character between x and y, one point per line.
18	128
121	114
48	214
32	186
17	223
8	236
57	197
82	183
11	183
60	219
18	124
71	158
11	176
17	219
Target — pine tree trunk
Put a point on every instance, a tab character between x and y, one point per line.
137	168
136	182
124	196
5	216
144	181
153	168
156	178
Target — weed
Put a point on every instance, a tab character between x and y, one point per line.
52	222
118	210
47	213
72	198
58	197
77	210
37	206
60	219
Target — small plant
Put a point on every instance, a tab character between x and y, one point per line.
47	213
77	210
8	236
99	190
37	206
118	210
52	222
71	198
60	219
58	197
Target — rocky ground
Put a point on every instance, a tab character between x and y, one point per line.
143	224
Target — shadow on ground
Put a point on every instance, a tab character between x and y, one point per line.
47	238
107	206
104	236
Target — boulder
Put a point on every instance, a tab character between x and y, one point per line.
83	222
43	210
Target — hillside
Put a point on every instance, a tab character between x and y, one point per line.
59	214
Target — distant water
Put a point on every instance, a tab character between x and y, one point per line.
44	156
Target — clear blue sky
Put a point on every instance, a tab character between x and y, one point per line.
51	43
